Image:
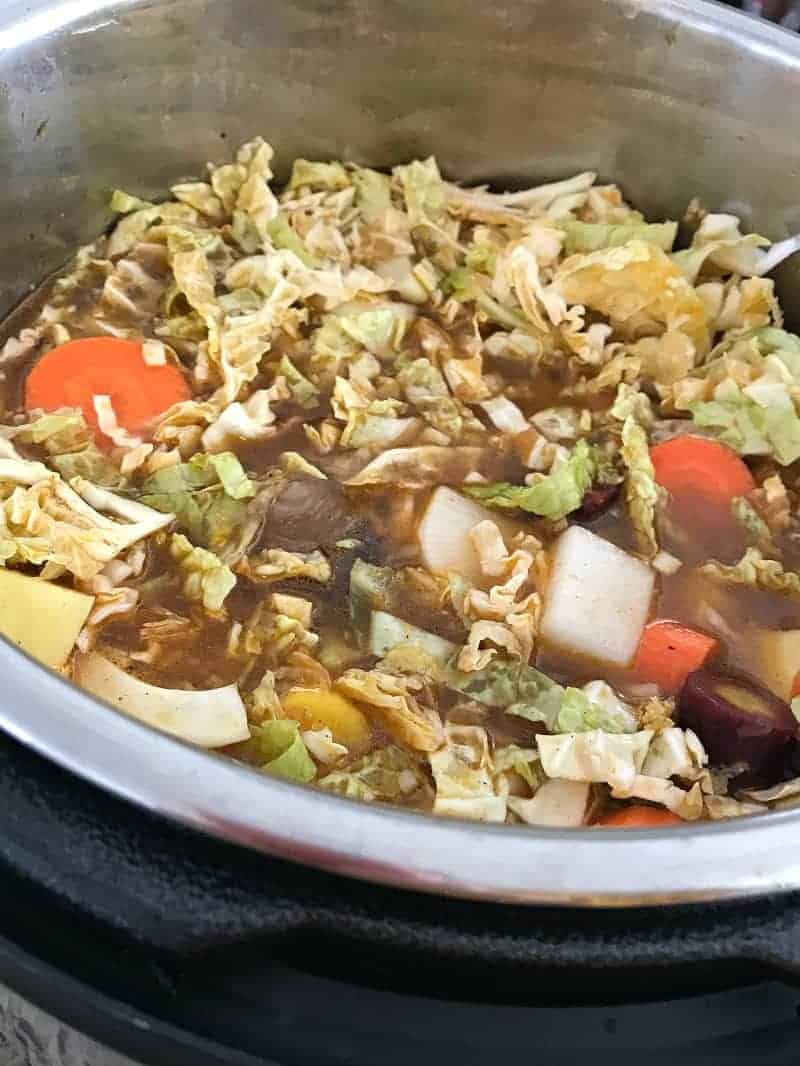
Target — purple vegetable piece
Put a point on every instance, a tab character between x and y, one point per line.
737	721
596	500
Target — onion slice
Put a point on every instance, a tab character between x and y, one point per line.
211	718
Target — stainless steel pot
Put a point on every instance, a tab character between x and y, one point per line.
672	98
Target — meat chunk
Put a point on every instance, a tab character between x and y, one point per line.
309	513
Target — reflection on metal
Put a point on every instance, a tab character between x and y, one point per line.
39	24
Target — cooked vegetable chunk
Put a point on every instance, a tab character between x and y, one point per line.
444	532
212	719
597	599
40	617
668	652
387	632
737	720
318	709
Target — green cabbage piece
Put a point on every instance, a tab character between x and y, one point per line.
629	401
719	241
283	235
44	521
462	774
522	761
748	427
92	464
465	286
318	175
771	340
61	431
513	687
70	446
374	330
522	690
580	714
377	777
123	203
206	578
555	496
373	193
640	485
424	191
285	755
756	572
206	495
753	525
592	236
230	472
425	387
353	326
303	391
482	258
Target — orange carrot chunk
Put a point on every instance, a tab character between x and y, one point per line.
698	467
668	652
74	373
639	817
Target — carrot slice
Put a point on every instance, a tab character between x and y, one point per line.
698	467
668	652
74	373
639	817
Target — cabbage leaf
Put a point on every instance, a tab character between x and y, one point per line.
596	706
638	288
640	486
207	496
206	578
513	687
747	426
387	775
593	236
280	745
756	572
554	496
462	772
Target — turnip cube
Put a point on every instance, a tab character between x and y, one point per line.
598	598
444	532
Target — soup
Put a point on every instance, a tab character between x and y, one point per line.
479	503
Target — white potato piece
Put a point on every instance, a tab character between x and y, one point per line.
560	804
210	718
598	598
444	532
773	656
42	618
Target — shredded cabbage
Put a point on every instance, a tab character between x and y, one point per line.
205	577
281	747
640	486
757	572
553	496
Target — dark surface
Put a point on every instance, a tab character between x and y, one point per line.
154	886
269	1011
177	949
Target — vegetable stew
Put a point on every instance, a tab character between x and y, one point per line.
480	503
